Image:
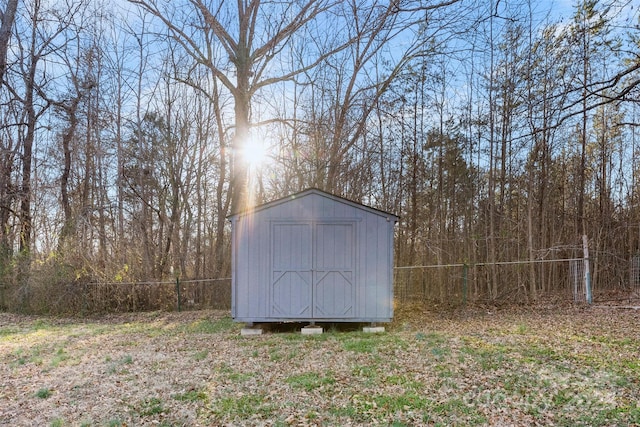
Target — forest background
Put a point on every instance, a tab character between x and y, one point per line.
497	130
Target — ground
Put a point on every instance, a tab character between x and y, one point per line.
544	365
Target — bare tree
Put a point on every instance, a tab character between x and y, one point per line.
7	18
251	35
71	107
33	48
372	30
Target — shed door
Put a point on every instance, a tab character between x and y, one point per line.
313	270
291	271
333	270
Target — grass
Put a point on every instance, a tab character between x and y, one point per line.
44	393
151	406
510	370
310	381
243	407
60	356
212	326
389	408
192	396
200	355
118	366
361	344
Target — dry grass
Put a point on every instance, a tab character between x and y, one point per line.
544	365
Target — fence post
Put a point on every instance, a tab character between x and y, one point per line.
178	292
587	274
83	300
465	275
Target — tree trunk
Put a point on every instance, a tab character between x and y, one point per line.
27	154
8	18
67	227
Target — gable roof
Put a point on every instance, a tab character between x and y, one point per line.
308	192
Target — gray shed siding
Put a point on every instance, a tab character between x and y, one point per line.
312	257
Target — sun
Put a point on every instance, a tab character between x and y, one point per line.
255	153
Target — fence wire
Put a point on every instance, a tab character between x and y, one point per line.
510	281
612	278
577	280
103	297
634	275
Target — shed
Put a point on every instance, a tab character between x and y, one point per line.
312	256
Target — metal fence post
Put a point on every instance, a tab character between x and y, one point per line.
587	274
465	276
178	292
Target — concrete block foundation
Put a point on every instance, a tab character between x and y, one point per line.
248	332
311	330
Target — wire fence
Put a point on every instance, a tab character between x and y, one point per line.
100	297
582	280
578	284
167	295
460	283
634	274
607	278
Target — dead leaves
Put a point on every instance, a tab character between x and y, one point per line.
516	367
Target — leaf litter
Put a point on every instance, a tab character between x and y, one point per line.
518	366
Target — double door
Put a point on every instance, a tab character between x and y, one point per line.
312	270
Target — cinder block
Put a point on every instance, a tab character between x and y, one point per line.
373	329
311	330
248	332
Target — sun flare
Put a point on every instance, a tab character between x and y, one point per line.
255	153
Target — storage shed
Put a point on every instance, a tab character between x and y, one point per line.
312	256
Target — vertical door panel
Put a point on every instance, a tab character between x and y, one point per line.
291	267
333	270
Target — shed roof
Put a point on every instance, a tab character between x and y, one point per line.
310	191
